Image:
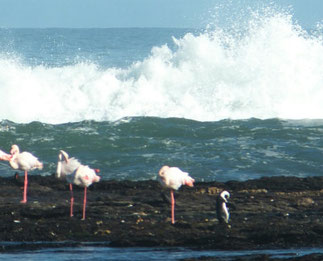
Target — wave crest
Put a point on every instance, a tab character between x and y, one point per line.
273	69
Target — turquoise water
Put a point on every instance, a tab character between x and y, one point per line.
136	148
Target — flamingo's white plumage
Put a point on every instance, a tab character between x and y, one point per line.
77	174
173	178
24	161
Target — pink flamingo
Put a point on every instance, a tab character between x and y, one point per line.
24	161
174	178
76	173
66	166
4	156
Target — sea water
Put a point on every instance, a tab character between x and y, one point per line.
223	104
94	253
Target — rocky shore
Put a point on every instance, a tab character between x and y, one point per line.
267	213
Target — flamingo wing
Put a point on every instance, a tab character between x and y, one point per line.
27	161
70	166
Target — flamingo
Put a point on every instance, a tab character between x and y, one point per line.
66	166
24	161
174	178
76	173
4	156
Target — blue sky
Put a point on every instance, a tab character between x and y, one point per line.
136	13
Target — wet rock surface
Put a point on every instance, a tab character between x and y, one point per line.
266	213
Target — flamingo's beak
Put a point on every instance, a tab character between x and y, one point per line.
96	179
190	182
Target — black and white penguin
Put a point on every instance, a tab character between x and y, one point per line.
222	211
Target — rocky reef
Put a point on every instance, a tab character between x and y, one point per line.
267	213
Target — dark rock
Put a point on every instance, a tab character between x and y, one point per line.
267	213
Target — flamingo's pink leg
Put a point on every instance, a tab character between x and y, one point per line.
84	203
24	200
173	206
72	200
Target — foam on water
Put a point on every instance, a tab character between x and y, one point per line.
273	68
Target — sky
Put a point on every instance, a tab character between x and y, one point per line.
137	13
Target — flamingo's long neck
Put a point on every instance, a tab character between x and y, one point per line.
13	161
59	169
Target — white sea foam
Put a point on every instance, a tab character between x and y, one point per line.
271	69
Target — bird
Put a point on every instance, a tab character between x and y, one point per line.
66	166
77	174
24	161
221	207
4	156
173	178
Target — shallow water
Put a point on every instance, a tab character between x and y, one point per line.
93	253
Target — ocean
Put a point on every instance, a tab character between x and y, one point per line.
220	103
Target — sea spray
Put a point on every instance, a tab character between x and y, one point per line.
271	68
